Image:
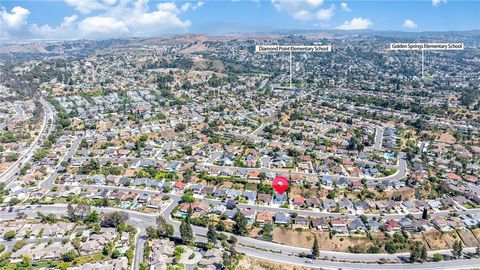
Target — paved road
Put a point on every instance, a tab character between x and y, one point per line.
401	173
378	138
327	264
276	252
140	242
18	110
260	128
214	156
285	253
9	175
48	182
313	214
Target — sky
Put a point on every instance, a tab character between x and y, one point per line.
102	19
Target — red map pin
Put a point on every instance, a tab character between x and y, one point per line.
280	184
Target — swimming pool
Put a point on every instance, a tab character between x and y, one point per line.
388	155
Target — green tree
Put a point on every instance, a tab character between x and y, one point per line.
240	226
187	198
152	233
457	249
71	213
108	248
26	261
9	235
315	248
212	234
189	213
267	230
169	230
425	213
14	201
186	232
76	243
373	249
116	253
437	257
51	218
423	253
227	260
92	217
415	252
163	227
69	256
82	209
114	219
221	226
390	247
40	154
104	202
18	245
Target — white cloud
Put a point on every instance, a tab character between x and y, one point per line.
438	2
304	9
16	19
344	6
168	7
156	23
112	19
66	29
13	23
325	14
101	27
189	5
302	15
356	24
293	6
86	6
409	24
69	20
186	6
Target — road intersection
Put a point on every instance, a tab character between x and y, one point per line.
250	246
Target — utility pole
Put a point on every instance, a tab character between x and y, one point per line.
290	69
291	49
423	60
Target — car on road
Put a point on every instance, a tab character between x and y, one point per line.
309	261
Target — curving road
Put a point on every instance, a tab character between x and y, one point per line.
401	173
262	249
9	175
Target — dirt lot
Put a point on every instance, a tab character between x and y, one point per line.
406	193
467	237
251	263
439	240
4	166
339	243
418	237
305	239
293	238
446	138
476	233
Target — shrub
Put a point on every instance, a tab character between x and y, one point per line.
437	257
18	245
9	235
69	256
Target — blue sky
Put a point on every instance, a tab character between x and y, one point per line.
70	19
